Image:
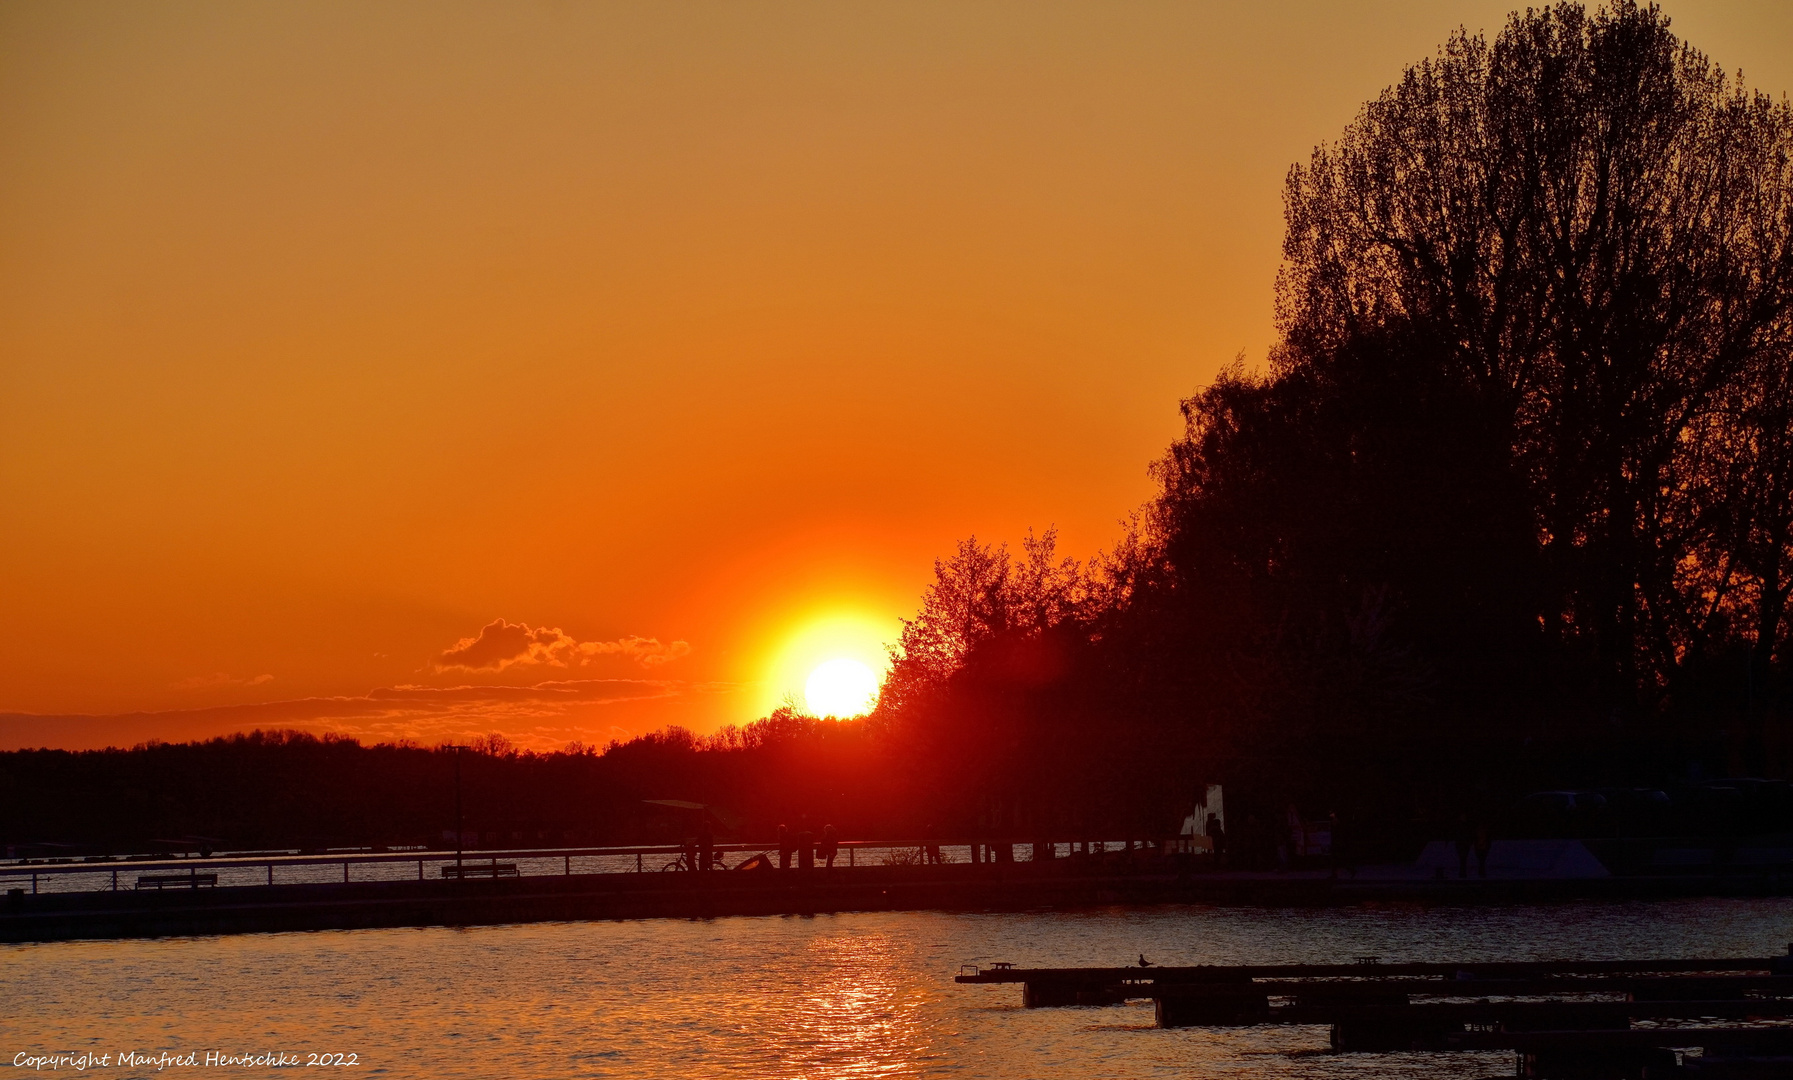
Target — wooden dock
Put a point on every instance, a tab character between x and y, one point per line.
1563	1020
63	898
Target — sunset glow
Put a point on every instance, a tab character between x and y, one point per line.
841	687
829	664
417	372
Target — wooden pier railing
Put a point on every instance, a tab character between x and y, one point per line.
27	874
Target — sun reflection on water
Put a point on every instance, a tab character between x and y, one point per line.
859	1015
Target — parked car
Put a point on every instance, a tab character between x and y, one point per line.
1640	811
1739	806
1710	809
1560	815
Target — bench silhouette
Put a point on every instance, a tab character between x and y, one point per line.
162	881
491	870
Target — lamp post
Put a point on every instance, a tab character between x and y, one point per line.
458	831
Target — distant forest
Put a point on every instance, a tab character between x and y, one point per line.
1509	507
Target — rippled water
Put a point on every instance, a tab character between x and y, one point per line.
854	995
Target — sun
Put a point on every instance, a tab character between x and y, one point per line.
804	666
841	687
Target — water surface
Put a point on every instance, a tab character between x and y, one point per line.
852	995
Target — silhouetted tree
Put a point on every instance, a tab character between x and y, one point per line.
1589	228
979	593
1519	469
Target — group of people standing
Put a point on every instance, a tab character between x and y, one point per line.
700	851
807	848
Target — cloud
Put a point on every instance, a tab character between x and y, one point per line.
646	651
219	678
502	643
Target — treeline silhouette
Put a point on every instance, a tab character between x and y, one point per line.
1510	507
286	789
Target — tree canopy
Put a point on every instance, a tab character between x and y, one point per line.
1517	470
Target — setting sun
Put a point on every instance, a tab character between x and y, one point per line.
841	687
828	659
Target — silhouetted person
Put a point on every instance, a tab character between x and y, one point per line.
784	848
830	845
1484	840
1465	844
806	850
1217	834
930	845
706	846
690	854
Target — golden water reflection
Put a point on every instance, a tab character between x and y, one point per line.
860	1015
853	995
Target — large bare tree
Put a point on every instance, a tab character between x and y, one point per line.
1590	225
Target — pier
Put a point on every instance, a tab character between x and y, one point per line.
145	897
1563	1020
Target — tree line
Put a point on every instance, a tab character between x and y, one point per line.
285	789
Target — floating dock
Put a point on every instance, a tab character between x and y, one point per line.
1563	1020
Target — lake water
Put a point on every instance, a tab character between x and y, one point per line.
852	995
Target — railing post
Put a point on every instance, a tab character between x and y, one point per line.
637	863
114	881
419	869
34	883
569	859
270	873
345	871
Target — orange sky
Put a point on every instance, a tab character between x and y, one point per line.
684	335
